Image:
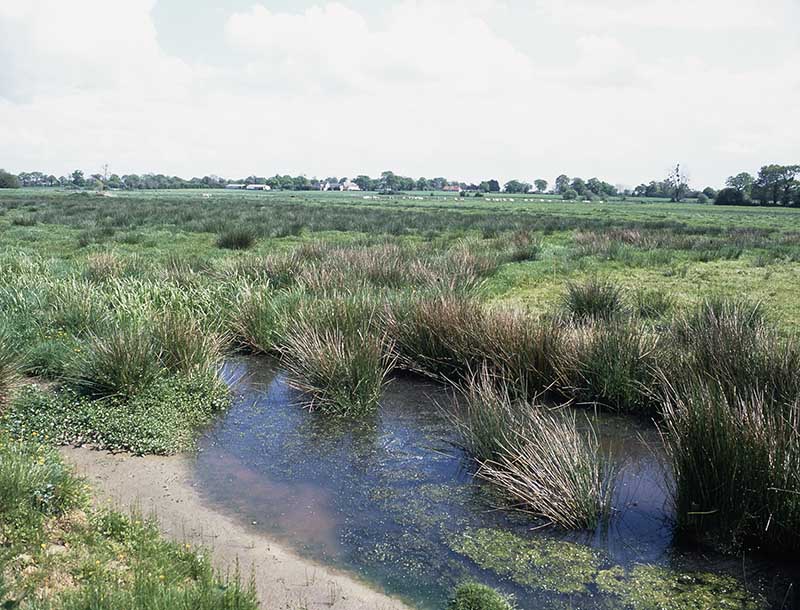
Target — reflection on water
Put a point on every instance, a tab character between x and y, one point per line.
392	498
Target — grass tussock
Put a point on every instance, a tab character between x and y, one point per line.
475	596
9	366
736	467
238	238
593	299
542	460
338	357
610	364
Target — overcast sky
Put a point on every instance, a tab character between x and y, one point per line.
469	89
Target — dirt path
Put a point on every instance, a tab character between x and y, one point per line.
162	485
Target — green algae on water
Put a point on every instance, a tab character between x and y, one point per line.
647	587
550	565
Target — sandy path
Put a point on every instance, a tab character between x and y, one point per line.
162	486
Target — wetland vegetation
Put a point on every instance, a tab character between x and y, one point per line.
119	312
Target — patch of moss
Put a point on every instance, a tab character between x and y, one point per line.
550	565
475	596
647	587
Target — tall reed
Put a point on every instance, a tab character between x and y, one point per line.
736	467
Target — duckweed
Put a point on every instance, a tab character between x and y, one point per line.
550	565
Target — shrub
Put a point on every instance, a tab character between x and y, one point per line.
8	181
736	467
475	596
240	238
731	196
594	299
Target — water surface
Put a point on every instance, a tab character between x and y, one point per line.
393	499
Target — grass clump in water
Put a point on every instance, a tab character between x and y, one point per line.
612	364
475	596
736	467
541	460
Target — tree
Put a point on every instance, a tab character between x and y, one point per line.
541	185
570	195
776	184
710	193
579	186
515	186
492	186
741	182
730	196
77	178
364	182
677	183
8	181
562	183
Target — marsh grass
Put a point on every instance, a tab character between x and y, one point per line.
237	238
338	356
611	364
434	333
184	345
593	299
9	366
736	467
652	304
116	364
475	596
541	460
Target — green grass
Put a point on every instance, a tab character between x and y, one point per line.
475	596
59	553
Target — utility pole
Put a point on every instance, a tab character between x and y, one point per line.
105	172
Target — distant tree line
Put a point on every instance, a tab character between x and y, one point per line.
775	185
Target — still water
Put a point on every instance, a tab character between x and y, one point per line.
393	499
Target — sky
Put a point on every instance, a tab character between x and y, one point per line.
466	89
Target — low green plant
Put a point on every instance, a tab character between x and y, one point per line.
475	596
162	418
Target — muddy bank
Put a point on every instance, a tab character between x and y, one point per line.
163	486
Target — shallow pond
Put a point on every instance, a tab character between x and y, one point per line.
394	500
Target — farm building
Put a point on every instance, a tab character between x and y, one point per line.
235	187
259	187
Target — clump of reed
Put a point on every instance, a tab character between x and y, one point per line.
101	266
433	333
736	466
9	366
184	345
521	348
611	364
119	363
542	460
730	342
237	238
593	299
338	356
259	317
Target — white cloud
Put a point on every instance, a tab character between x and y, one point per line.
422	87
